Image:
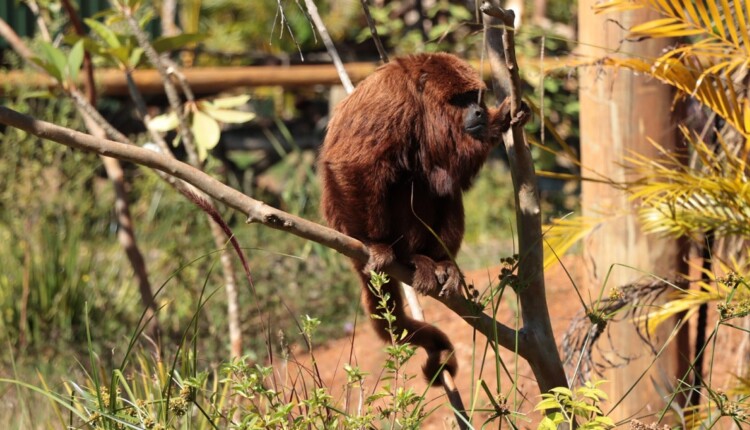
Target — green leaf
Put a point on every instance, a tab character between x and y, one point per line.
545	404
439	30
75	59
171	43
148	16
562	390
55	59
39	94
164	123
547	424
135	57
49	68
93	46
121	54
605	421
460	13
551	421
106	33
206	132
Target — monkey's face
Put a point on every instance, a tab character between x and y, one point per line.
475	121
475	118
455	90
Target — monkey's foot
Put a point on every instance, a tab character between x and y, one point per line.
429	276
381	255
449	277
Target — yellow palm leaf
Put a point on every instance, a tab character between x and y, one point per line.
563	233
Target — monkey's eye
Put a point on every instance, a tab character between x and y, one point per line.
463	100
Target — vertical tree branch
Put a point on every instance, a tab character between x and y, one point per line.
374	32
169	88
542	356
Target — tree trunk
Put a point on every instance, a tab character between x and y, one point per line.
619	112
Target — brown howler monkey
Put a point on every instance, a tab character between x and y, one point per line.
397	155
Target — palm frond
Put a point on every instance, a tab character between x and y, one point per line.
681	200
697	79
563	233
721	24
716	290
704	68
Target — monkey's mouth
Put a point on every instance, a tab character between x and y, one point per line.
476	130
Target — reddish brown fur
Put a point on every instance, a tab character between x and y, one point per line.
397	142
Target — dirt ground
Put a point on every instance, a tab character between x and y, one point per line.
476	362
366	351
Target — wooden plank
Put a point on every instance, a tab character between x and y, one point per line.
204	80
212	80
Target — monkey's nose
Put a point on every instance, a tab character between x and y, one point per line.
477	113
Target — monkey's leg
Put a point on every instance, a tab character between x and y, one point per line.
381	255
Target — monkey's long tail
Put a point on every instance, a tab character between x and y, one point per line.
440	352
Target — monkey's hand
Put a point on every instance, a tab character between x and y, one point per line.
381	255
430	276
507	120
522	116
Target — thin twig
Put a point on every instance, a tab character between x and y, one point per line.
34	7
207	204
374	32
169	88
328	42
17	44
167	68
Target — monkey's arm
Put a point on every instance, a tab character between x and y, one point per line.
379	237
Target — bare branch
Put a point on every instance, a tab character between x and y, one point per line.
16	43
313	11
374	32
257	212
169	88
543	356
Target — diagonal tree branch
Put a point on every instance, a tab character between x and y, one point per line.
257	212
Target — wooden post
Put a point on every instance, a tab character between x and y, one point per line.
619	111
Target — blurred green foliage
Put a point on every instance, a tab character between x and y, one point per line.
443	26
239	28
54	214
